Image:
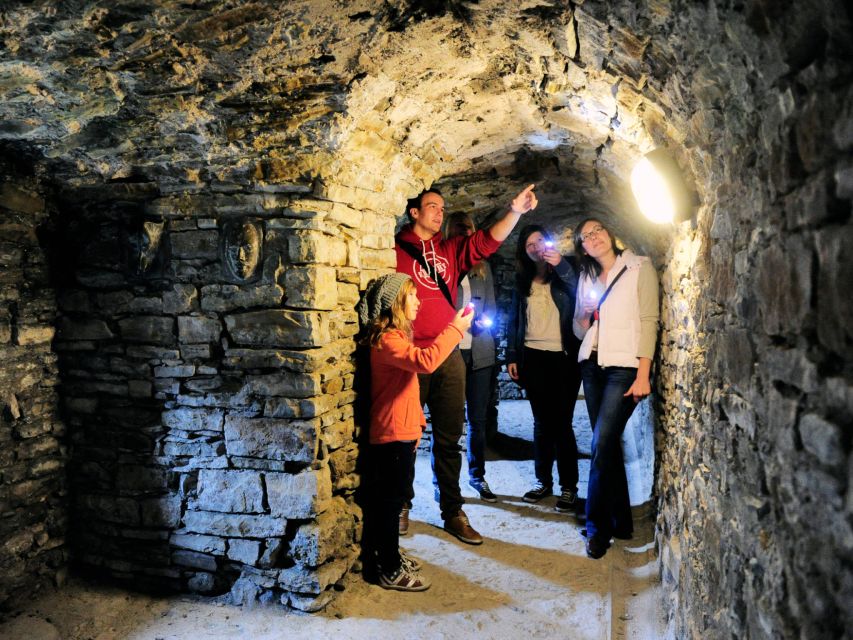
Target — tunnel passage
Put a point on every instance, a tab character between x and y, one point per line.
312	123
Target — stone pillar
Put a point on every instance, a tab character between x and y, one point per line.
33	457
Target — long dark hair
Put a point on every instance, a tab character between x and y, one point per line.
525	268
589	266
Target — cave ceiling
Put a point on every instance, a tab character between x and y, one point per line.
390	96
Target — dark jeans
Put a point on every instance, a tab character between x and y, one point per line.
608	508
478	392
552	380
392	466
443	391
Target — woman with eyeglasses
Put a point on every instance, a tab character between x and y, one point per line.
616	317
542	357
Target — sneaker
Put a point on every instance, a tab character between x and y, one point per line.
566	502
404	522
459	526
482	487
410	562
538	492
404	579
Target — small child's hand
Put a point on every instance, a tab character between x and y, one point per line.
463	319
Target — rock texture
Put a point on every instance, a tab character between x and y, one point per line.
210	405
33	458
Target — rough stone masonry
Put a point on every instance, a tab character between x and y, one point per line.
195	192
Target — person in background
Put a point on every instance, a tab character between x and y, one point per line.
542	357
397	420
616	316
478	353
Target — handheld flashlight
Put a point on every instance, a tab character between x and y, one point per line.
486	321
469	309
549	244
592	295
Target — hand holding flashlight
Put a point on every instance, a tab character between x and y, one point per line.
550	254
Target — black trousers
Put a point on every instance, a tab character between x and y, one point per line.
392	468
552	382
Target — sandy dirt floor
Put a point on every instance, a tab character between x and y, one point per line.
530	578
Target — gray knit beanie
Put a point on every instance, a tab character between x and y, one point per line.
380	295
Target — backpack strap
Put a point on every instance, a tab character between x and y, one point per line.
413	251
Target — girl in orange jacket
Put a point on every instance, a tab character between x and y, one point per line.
396	416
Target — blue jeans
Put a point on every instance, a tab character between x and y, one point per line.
608	508
478	391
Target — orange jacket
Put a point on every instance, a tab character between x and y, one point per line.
395	410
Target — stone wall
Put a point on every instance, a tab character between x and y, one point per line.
210	401
754	473
314	122
33	456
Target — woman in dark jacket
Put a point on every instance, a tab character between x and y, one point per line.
542	356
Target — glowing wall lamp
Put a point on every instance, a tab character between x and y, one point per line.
659	188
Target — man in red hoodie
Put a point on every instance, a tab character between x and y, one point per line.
437	265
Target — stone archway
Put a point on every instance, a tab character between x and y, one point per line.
314	120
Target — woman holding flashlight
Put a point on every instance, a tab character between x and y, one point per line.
542	357
477	289
616	317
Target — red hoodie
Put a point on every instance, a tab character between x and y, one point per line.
450	258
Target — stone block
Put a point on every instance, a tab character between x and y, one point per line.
316	542
83	329
230	491
29	335
279	328
299	408
311	287
164	511
315	246
245	551
194	559
783	309
288	384
195	244
309	604
181	298
132	478
273	548
202	582
271	438
791	366
197	329
109	509
310	579
234	525
378	259
822	439
834	284
192	419
148	329
225	298
179	371
299	496
195	542
16	198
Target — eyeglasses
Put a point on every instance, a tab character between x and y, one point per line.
592	232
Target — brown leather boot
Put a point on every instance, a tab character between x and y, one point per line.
459	526
404	521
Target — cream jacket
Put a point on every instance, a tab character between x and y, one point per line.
628	319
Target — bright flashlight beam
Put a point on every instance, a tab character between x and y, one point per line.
652	192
